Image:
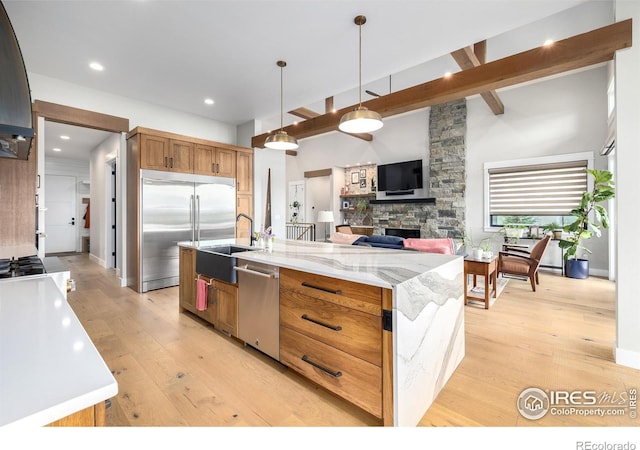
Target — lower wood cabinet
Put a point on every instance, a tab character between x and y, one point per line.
93	416
222	298
331	331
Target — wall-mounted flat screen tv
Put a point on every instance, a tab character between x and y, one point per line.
401	176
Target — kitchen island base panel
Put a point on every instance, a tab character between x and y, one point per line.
428	338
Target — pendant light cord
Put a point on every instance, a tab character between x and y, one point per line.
360	63
281	98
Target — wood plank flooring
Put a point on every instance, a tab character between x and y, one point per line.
176	370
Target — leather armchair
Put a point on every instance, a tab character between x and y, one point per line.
523	263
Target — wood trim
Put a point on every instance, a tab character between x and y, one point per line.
80	117
328	105
572	53
180	137
480	50
317	173
291	153
387	364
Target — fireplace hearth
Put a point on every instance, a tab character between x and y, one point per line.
403	232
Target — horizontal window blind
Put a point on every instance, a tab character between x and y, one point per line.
537	190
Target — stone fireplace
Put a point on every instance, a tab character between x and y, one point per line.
443	215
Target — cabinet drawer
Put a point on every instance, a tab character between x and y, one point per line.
353	332
361	297
351	378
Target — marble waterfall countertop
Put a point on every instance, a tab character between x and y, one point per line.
427	315
49	368
380	267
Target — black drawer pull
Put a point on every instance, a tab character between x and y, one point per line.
331	291
306	359
322	324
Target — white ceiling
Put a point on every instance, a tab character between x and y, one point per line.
79	145
176	53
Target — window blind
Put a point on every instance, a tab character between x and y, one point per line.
537	190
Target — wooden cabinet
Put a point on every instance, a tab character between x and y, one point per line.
331	332
222	298
161	153
244	172
93	416
244	191
187	279
208	160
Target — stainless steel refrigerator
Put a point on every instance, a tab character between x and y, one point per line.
176	208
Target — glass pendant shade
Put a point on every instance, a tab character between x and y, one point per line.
360	120
280	140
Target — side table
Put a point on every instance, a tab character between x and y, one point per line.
488	268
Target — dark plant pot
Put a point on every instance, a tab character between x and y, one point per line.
576	268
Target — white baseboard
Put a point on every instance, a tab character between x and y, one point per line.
627	358
94	258
599	273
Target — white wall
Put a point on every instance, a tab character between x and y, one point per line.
101	233
265	159
627	73
80	170
139	113
552	117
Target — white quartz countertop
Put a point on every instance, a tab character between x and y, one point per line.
49	368
381	267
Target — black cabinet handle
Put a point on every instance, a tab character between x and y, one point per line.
320	288
322	324
166	164
306	359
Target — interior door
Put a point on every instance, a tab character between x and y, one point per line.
318	196
60	215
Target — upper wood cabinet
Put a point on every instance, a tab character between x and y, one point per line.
160	153
208	160
244	172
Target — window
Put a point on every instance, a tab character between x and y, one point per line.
536	191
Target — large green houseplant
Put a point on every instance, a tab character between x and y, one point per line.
590	217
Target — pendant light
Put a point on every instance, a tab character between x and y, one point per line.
360	120
280	140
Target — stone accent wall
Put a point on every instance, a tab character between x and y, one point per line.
447	175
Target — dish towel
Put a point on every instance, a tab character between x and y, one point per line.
201	295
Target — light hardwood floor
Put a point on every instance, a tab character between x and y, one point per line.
175	370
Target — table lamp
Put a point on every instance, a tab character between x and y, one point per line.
325	217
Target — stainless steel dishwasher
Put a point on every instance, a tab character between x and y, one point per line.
259	307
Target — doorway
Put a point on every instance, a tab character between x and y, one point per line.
318	198
60	215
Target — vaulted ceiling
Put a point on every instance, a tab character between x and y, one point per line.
175	54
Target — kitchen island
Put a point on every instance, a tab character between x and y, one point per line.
410	302
50	371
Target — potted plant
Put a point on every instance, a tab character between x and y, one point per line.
590	216
553	228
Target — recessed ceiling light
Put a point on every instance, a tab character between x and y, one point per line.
56	149
548	42
209	101
447	74
96	66
64	137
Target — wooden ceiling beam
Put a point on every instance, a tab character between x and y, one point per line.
304	113
576	52
470	57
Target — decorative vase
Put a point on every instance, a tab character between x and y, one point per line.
260	243
476	253
269	244
576	268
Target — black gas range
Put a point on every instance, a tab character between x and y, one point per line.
22	266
